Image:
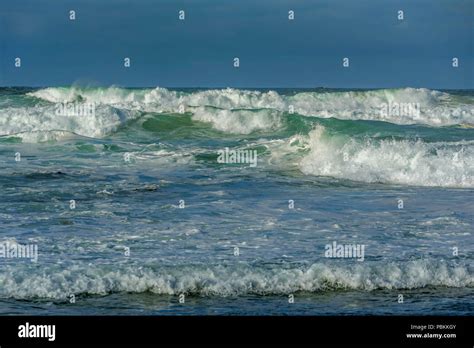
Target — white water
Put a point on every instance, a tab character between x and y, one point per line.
435	108
54	283
390	161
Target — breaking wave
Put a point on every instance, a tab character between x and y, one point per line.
48	124
228	110
231	280
434	108
407	162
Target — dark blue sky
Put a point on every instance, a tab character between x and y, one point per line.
273	51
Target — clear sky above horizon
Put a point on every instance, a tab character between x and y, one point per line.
384	52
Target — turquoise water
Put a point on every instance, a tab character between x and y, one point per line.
157	215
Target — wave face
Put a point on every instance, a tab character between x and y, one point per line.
232	280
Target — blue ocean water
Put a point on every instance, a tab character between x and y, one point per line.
126	197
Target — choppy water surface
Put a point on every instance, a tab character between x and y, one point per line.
142	168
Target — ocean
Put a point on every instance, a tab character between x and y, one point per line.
158	201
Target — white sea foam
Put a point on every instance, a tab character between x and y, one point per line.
41	123
238	122
230	280
390	161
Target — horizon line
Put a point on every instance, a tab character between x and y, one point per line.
229	87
